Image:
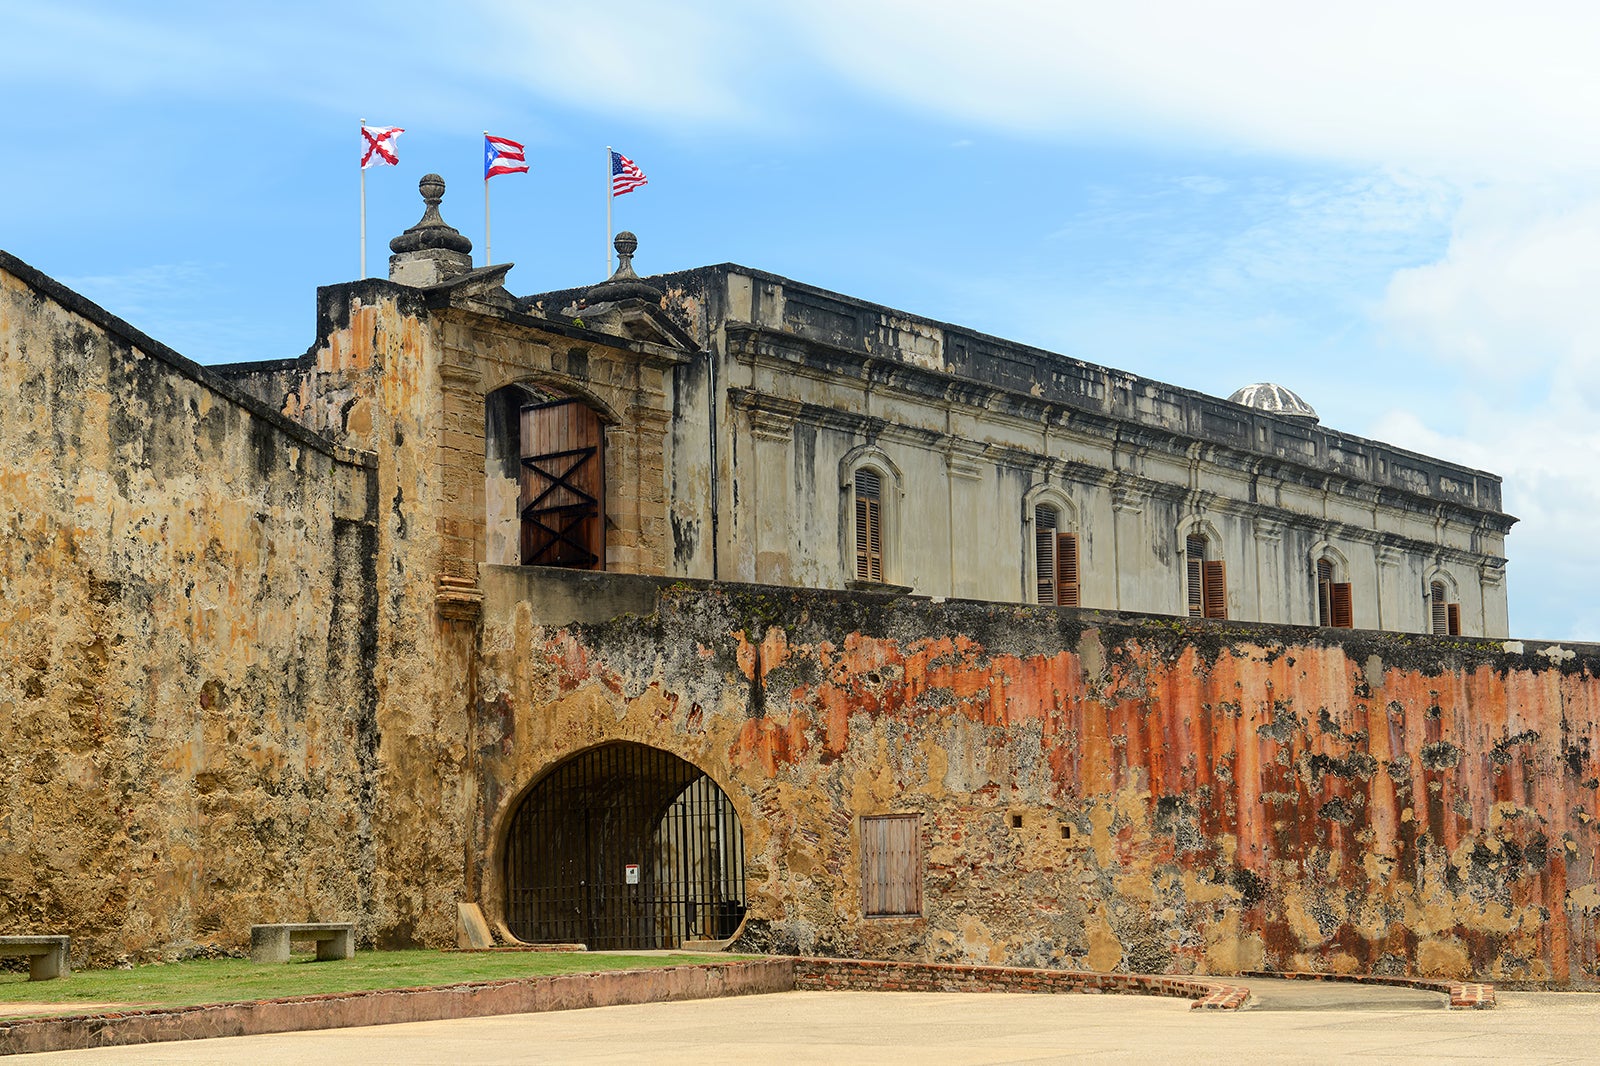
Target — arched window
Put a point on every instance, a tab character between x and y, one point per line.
1333	597
1445	617
1206	579
868	494
871	494
1055	558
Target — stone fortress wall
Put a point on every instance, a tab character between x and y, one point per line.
1095	790
252	675
187	713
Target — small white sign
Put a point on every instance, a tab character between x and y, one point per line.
632	870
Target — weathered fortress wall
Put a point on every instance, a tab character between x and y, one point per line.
1193	797
186	617
247	674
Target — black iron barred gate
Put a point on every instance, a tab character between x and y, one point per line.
624	846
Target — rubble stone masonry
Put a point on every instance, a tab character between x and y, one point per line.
249	675
187	727
1193	797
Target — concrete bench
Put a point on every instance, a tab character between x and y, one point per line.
47	955
335	940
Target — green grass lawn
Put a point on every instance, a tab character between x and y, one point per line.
180	984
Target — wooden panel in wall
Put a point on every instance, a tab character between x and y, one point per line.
562	487
1067	570
1216	588
1342	610
891	865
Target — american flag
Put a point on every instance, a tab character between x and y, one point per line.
625	174
377	146
501	156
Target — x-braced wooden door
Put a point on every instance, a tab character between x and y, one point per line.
563	486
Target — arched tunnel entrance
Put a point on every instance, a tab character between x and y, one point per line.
624	847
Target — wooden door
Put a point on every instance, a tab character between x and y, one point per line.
563	490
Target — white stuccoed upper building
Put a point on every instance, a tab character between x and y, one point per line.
859	446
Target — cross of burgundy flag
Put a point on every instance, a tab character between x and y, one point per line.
625	174
377	146
501	156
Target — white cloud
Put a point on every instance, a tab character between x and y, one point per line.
1515	294
1548	458
1461	87
689	63
1509	313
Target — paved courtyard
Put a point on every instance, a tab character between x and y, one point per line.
1291	1023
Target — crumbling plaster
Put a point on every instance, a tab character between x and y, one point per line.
255	675
185	615
1234	796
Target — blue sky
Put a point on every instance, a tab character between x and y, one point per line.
1390	208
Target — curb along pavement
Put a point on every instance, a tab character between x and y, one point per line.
574	991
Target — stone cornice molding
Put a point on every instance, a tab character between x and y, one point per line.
832	362
1134	489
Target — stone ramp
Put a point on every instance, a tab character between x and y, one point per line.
1281	994
1459	995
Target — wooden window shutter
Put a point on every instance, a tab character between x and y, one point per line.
562	491
1440	620
869	525
1453	619
1216	588
1044	553
1195	555
891	865
1340	607
1325	593
1067	570
876	540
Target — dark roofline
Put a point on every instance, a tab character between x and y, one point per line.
85	308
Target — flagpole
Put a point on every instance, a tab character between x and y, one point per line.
363	208
608	210
488	255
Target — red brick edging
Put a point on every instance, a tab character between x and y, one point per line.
876	976
527	995
346	1009
1464	995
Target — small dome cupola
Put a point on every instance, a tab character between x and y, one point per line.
1274	399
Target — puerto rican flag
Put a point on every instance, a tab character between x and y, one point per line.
625	174
501	156
377	146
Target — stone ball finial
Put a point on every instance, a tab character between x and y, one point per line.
431	231
624	284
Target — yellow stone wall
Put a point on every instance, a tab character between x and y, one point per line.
186	715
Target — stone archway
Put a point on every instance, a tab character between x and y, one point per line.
624	846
